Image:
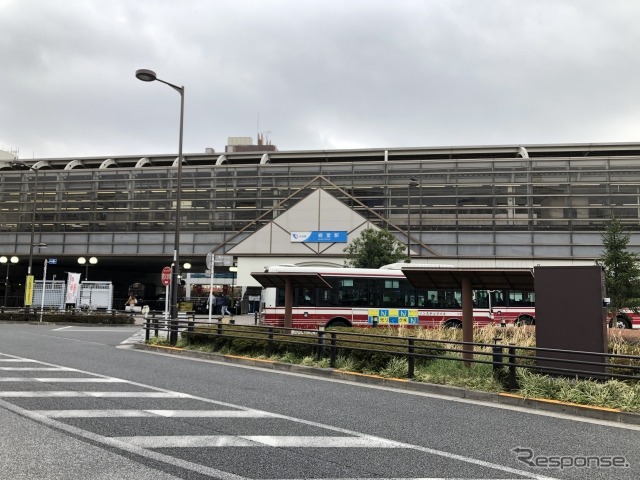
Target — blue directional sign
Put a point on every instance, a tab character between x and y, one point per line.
320	236
52	261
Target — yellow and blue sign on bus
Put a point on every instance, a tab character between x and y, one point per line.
393	316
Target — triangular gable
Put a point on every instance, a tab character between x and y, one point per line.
319	211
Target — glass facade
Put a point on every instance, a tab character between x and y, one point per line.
485	203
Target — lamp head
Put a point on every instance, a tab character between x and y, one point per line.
146	75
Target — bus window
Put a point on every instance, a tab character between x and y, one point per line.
480	299
521	299
498	299
304	297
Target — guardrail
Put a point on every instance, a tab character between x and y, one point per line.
321	343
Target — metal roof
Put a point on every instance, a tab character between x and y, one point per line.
298	279
481	278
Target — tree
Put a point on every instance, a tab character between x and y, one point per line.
621	270
375	248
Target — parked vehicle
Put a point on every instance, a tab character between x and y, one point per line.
365	297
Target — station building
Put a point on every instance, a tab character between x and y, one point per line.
470	206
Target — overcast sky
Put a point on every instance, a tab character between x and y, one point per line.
316	74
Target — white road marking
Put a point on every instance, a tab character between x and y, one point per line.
187	441
448	398
38	369
211	413
164	393
115	413
16	360
158	457
203	441
63	380
69	393
322	441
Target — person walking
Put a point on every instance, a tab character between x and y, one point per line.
225	305
219	304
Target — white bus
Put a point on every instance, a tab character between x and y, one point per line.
368	297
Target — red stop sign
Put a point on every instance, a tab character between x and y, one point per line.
166	276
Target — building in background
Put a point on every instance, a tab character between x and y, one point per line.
512	205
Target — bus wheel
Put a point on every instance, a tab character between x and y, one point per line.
453	324
338	323
525	320
620	322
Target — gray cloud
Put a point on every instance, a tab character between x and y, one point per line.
319	74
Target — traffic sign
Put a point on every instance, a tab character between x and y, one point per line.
52	261
166	276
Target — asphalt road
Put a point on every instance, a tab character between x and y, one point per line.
76	402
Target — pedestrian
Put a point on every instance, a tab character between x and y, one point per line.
131	302
225	305
219	304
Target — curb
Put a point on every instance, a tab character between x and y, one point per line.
543	404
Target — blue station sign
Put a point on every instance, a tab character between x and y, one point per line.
320	236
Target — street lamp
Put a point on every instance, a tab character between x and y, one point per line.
83	261
8	261
233	271
28	293
150	76
412	183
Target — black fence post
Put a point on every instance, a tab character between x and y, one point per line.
173	333
191	323
320	343
512	381
497	355
410	359
334	348
270	342
147	329
255	317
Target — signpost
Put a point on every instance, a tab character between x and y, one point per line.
210	265
166	281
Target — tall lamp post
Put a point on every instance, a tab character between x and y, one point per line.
150	76
8	261
412	183
28	292
233	271
83	261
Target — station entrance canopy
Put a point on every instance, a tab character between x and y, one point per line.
480	278
422	277
467	279
288	280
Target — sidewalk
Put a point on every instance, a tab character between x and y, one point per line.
247	319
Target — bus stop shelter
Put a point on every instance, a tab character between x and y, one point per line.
468	279
288	280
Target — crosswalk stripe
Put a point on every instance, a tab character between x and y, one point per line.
38	369
201	441
63	380
95	394
186	441
115	413
322	441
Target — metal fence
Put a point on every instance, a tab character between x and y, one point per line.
504	358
